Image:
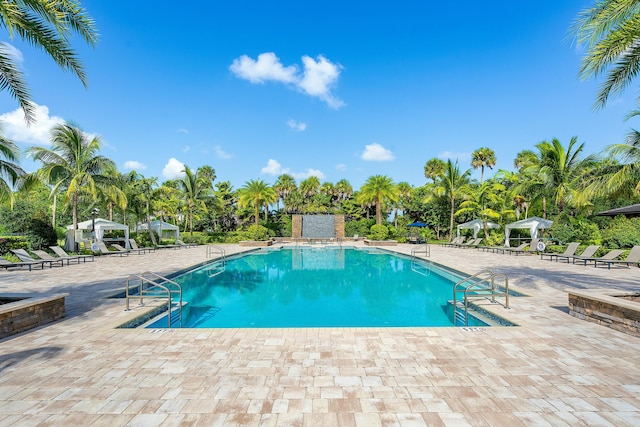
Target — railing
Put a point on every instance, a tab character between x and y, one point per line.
426	249
417	267
480	285
155	287
213	250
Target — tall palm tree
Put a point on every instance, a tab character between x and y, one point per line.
309	188
449	185
344	190
622	176
44	24
609	29
285	184
524	159
73	164
256	193
559	173
484	200
196	187
10	172
403	191
481	158
434	168
378	189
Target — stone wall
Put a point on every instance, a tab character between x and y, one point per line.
617	311
29	312
296	226
317	226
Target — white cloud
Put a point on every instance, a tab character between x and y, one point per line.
341	167
134	165
182	130
173	169
39	132
297	126
221	153
11	50
376	153
273	168
309	172
460	156
317	79
267	67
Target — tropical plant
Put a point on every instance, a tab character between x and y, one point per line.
378	232
449	185
10	172
378	189
196	187
434	168
309	188
481	158
256	193
484	200
74	165
285	184
403	192
46	24
609	30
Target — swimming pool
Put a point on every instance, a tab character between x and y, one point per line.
316	287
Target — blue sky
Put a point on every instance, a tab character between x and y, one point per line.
333	89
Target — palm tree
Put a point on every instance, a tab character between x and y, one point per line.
609	29
309	188
434	168
378	189
484	200
73	164
559	173
10	172
285	184
44	24
196	187
524	159
256	193
344	190
449	185
403	191
481	158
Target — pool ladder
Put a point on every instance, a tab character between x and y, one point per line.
214	250
480	285
425	249
152	285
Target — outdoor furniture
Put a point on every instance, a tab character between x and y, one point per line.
185	245
611	255
454	242
470	244
63	254
571	250
25	257
134	245
6	264
121	249
533	247
104	251
633	257
587	253
501	249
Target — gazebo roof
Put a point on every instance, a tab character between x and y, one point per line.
632	210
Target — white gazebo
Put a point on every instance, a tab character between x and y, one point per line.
160	226
476	225
101	225
533	224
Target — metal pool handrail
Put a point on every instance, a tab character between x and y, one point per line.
425	248
151	288
217	249
479	288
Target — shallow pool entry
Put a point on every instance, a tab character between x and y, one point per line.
316	287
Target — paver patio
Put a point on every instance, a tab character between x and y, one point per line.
552	370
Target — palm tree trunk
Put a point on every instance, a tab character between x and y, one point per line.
453	207
53	213
378	211
153	237
191	219
544	207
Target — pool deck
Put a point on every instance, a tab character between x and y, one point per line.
552	370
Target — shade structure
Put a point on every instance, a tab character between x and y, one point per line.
533	224
101	225
476	225
630	211
417	224
159	226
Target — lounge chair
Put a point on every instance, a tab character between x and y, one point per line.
134	245
587	253
25	257
533	247
633	257
571	250
121	249
104	251
454	242
6	264
470	244
612	254
64	255
501	249
186	245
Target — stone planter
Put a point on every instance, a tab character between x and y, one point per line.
20	312
368	242
256	243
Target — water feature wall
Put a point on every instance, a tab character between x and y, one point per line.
318	226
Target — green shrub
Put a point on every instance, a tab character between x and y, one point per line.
567	229
378	232
622	233
41	233
360	227
257	232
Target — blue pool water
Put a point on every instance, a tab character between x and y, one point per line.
316	287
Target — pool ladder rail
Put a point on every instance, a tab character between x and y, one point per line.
481	285
424	249
216	251
155	286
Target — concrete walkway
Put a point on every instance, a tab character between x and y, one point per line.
552	370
